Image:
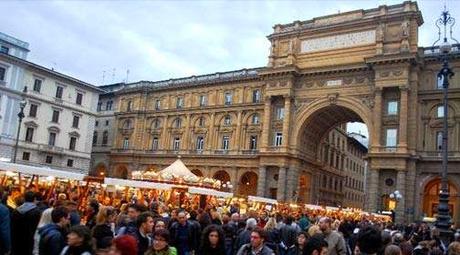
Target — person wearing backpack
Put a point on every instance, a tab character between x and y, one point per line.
53	235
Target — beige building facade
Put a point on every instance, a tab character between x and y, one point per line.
263	128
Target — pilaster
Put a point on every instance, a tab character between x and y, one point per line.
262	181
281	192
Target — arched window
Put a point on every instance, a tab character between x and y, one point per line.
177	122
105	137
255	119
129	106
440	111
156	123
227	120
201	122
127	124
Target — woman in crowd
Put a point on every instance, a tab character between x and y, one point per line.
212	241
105	226
123	245
78	241
159	224
92	210
161	244
273	234
302	239
45	219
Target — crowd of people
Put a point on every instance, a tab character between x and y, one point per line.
31	224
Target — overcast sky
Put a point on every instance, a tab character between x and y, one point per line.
159	40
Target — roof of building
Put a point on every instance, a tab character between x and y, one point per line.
14	41
356	142
50	71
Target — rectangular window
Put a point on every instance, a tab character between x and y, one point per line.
157	104
75	121
52	139
2	73
440	112
180	102
59	91
392	108
105	137
279	113
29	134
439	140
49	159
126	143
4	49
70	162
37	85
107	122
33	110
228	98
26	155
97	123
94	138
99	106
108	106
155	143
176	144
72	143
278	139
256	96
79	98
253	142
225	142
55	117
199	143
203	100
391	137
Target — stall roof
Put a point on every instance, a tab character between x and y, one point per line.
211	192
262	200
178	169
40	171
137	184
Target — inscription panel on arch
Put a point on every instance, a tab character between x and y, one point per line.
338	41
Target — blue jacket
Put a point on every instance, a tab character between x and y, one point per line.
5	234
52	239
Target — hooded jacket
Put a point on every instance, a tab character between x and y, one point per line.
52	239
24	221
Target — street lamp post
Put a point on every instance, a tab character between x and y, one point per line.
396	196
443	220
21	116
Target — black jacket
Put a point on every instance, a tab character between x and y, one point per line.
23	226
193	235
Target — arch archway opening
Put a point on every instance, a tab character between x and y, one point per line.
431	198
197	172
248	184
222	176
121	172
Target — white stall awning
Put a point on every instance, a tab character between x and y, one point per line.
137	184
210	192
40	171
262	200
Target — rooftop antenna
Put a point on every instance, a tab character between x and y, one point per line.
113	74
54	66
103	77
127	75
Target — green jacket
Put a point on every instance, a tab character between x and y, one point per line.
169	251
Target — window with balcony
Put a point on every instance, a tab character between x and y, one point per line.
439	140
75	121
228	98
72	143
55	117
37	85
225	142
29	134
253	142
126	143
199	143
279	113
155	143
256	96
278	139
79	98
176	144
440	111
33	110
391	137
179	102
94	138
203	100
255	119
52	139
105	137
59	92
392	108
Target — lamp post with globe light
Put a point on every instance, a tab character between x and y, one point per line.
396	196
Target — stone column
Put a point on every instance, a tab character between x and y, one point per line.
235	182
292	184
266	123
411	190
262	181
401	187
281	192
377	119
373	190
286	121
402	141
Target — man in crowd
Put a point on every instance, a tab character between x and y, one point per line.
257	244
336	243
288	236
184	236
144	230
24	221
369	241
129	227
53	235
316	245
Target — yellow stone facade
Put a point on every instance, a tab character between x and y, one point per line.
364	65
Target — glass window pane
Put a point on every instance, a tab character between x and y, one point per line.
391	137
392	108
